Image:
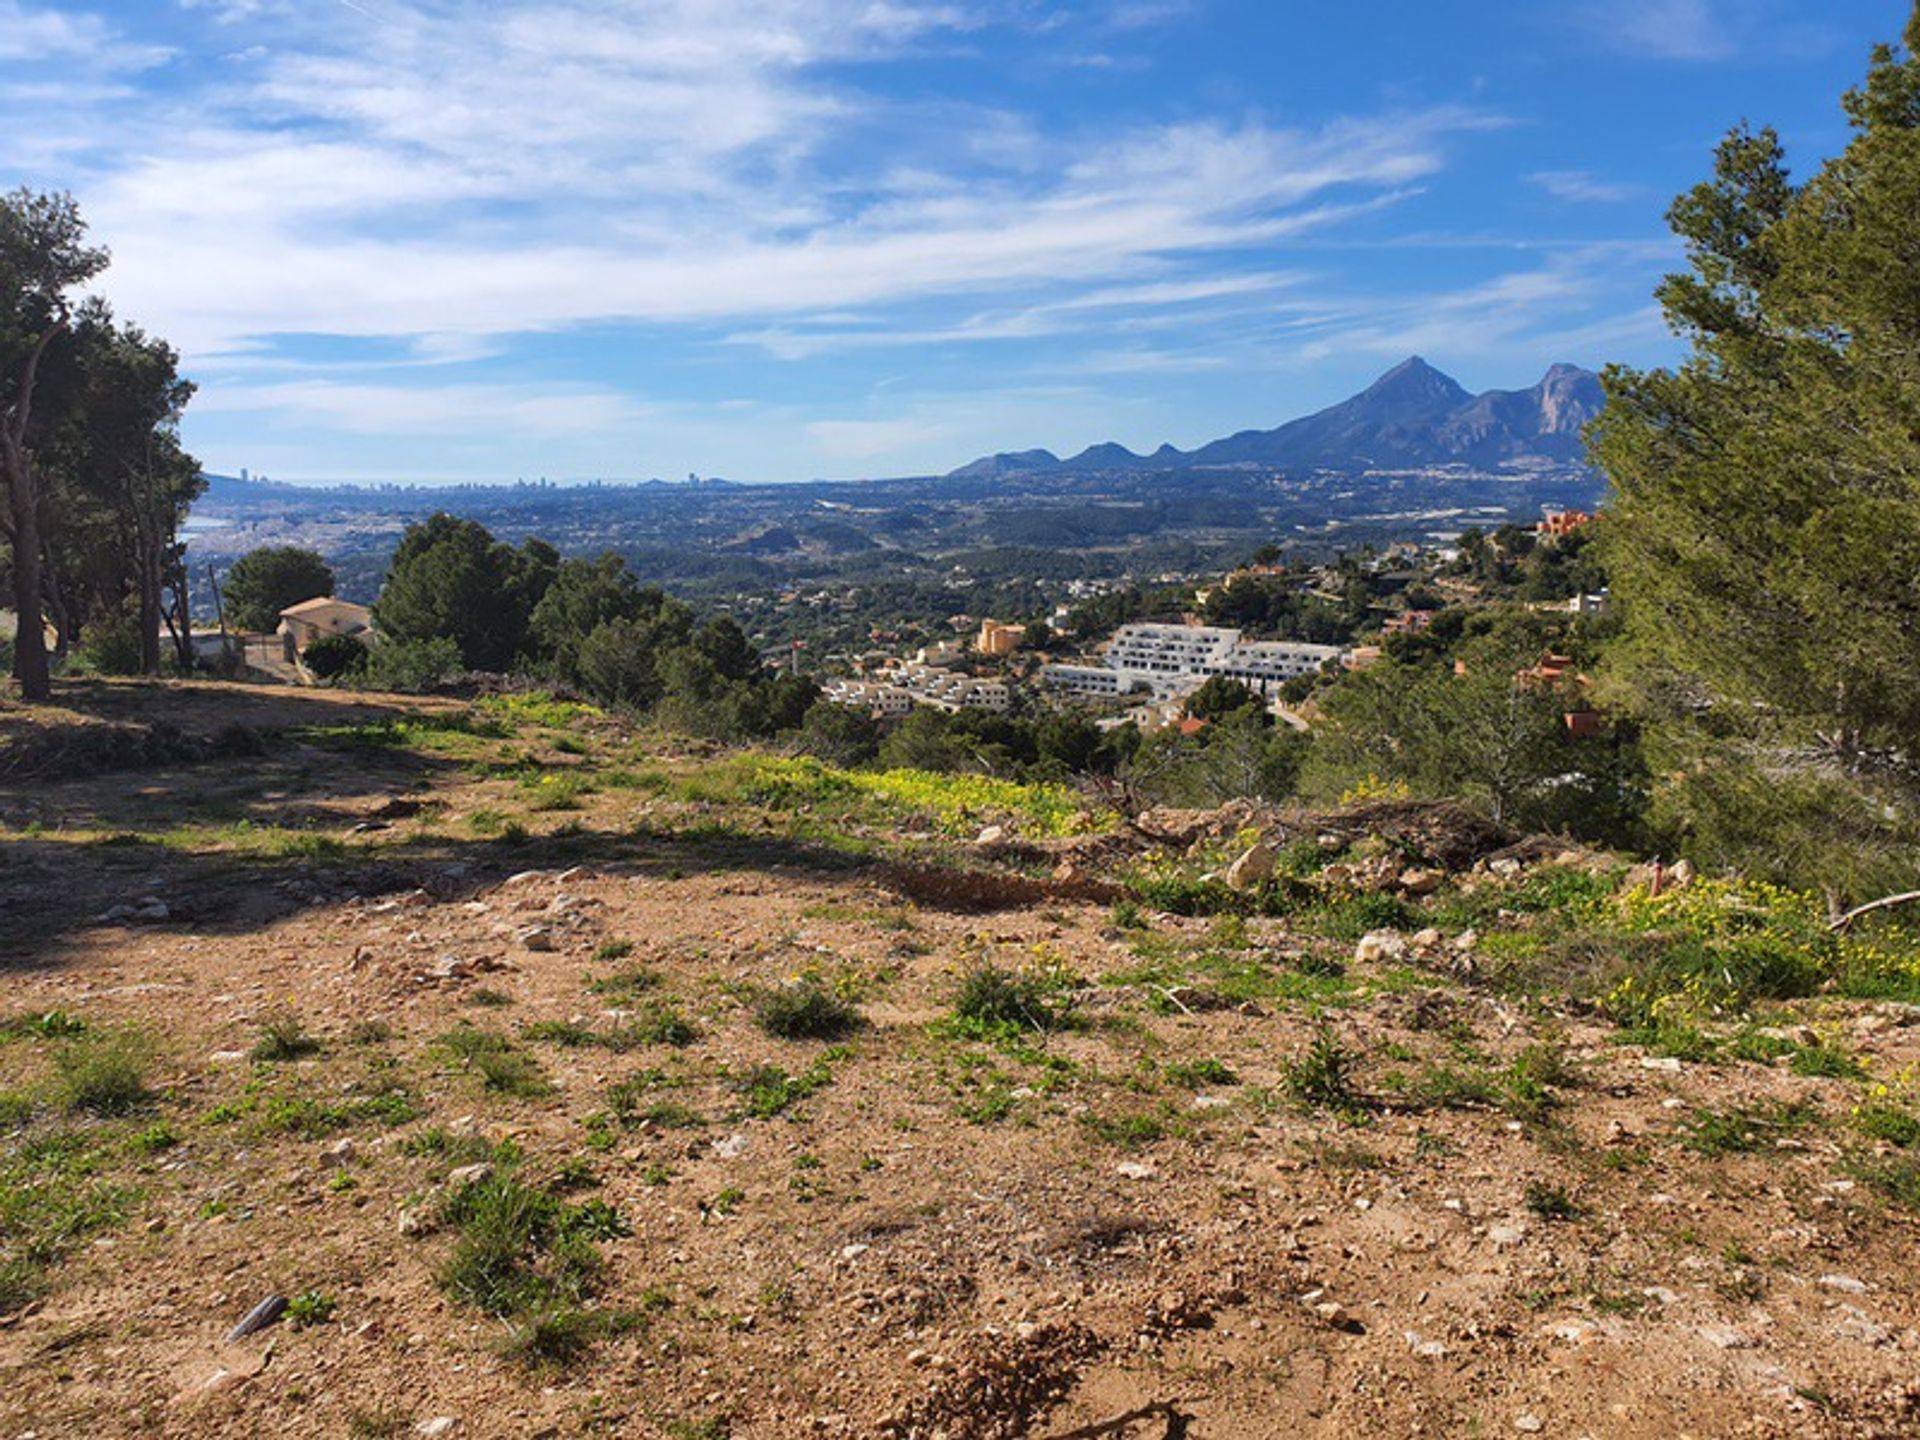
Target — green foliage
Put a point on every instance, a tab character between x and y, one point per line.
52	1197
768	1090
110	646
806	1010
283	1036
103	1076
1239	755
1133	1130
333	656
493	1057
1198	1074
266	581
1889	1124
584	595
520	1250
451	580
1765	527
1550	1202
1469	723
1740	1130
310	1307
410	666
1321	1076
993	1002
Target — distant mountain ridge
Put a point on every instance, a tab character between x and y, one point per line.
1411	416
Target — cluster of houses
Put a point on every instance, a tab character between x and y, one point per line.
1172	661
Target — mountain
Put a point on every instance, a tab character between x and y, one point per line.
1410	417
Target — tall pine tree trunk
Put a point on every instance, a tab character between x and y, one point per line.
30	636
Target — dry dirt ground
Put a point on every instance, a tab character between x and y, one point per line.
1129	1225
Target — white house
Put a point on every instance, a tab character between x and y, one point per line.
315	619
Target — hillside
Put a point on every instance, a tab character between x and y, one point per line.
1412	416
569	1081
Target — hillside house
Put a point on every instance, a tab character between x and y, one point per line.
311	620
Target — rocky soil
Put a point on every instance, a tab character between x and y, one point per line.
1151	1216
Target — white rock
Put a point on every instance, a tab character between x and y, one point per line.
439	1425
1380	946
338	1153
854	1251
1659	1062
1857	1326
1135	1170
992	836
1844	1283
731	1148
1422	1346
470	1174
1528	1424
1725	1337
1501	1236
1252	868
537	937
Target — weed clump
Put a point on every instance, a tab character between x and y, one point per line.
996	1003
807	1010
103	1077
767	1090
1322	1077
501	1067
518	1250
283	1037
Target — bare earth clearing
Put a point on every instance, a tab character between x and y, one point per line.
1218	1175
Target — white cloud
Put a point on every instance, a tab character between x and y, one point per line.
873	439
506	411
1583	187
1702	31
230	234
82	42
1671	29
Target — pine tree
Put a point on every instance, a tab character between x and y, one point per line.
1764	536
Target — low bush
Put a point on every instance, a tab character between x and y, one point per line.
806	1010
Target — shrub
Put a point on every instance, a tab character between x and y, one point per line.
332	656
1321	1076
103	1077
991	999
411	665
283	1037
807	1010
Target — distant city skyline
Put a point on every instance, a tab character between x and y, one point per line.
438	241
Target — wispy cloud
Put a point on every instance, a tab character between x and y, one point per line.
85	43
1704	30
1583	187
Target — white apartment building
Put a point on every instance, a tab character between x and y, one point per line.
882	700
911	685
1173	659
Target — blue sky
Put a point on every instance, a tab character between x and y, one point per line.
777	239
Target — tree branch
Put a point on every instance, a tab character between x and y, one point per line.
1844	922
